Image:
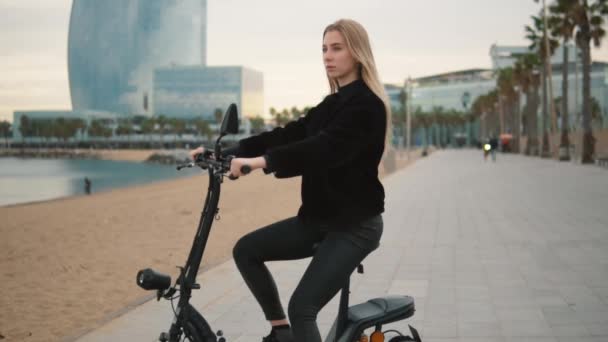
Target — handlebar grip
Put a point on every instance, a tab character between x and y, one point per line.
245	169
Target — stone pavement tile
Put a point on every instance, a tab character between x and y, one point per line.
532	339
582	339
470	278
476	312
479	329
519	314
437	313
473	294
414	288
439	329
597	329
571	330
557	316
548	298
601	292
525	329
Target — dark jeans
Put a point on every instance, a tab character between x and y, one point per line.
338	254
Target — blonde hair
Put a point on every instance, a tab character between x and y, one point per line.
357	43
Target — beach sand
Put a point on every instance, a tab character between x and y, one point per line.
69	265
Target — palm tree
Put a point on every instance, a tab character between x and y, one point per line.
484	106
562	25
536	35
147	126
422	120
589	21
5	131
280	118
25	126
437	121
162	122
218	114
203	129
96	128
45	129
295	113
506	88
478	110
178	128
527	78
257	124
80	125
125	127
596	112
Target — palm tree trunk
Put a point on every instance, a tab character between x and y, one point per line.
517	124
564	147
545	153
588	139
532	100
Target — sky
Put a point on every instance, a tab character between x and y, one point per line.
282	39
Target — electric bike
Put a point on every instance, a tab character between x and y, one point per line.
190	325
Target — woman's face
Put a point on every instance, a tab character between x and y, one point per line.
339	63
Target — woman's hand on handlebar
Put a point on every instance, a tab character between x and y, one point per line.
196	152
237	163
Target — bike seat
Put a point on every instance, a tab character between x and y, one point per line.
376	311
382	310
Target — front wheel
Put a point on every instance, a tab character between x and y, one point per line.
196	329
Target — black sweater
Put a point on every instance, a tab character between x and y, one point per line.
336	148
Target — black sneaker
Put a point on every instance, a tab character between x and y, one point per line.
281	334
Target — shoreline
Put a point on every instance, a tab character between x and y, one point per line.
79	254
136	155
76	196
131	156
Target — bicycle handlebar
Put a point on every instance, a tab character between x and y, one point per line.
205	161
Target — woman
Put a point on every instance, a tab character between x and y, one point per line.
336	148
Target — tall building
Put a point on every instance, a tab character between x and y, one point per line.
115	45
196	92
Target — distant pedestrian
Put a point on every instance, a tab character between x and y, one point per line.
493	146
87	185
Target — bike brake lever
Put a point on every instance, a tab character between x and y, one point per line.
179	167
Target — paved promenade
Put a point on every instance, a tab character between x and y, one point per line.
515	250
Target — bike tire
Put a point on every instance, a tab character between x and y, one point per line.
197	322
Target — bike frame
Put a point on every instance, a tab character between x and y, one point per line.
187	278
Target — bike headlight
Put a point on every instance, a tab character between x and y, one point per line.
149	279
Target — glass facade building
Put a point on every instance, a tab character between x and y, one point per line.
448	90
115	45
196	92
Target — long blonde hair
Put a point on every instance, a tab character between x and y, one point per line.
357	42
